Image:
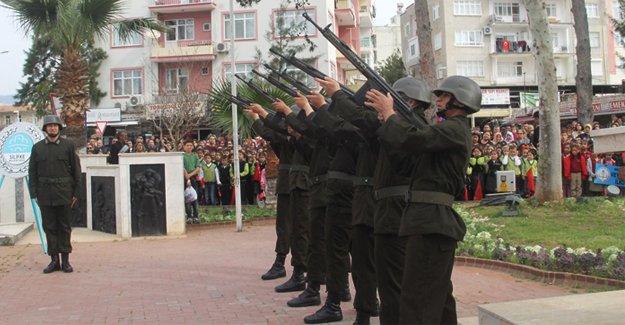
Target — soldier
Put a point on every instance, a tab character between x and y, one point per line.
54	178
429	224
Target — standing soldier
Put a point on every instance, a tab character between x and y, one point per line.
429	224
54	178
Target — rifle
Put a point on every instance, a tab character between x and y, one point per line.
373	78
265	95
308	69
244	102
276	83
294	82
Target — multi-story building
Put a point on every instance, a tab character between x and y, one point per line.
490	42
148	70
387	39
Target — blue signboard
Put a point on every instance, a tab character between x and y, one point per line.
608	175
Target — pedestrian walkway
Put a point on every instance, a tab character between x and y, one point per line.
211	276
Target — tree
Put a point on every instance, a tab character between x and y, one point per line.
426	51
70	25
392	69
550	163
583	79
40	67
178	114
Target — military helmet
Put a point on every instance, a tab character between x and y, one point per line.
413	88
52	119
465	91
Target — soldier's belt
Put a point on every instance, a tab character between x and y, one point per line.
386	192
363	181
299	168
55	180
340	176
429	197
318	179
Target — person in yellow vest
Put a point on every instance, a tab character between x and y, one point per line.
514	164
529	173
211	180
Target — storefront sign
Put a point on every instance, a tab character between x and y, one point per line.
500	96
104	114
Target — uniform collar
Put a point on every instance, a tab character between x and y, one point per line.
58	140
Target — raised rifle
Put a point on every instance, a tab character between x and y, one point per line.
294	82
265	95
373	78
276	83
308	69
244	102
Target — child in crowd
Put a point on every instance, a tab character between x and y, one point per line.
492	166
211	180
476	173
566	170
529	173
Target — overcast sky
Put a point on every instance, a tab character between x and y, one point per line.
15	42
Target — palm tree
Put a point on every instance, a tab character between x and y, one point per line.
70	25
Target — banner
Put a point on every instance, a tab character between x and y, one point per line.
500	96
610	175
16	143
529	100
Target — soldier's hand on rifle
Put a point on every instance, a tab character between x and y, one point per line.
382	103
316	99
302	102
251	114
281	107
258	110
330	85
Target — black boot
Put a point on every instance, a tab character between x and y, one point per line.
346	295
362	318
309	297
297	282
67	268
54	264
330	312
277	269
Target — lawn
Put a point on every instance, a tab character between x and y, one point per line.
212	214
592	223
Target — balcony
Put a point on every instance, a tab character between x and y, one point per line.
515	19
366	18
505	47
345	13
191	52
177	6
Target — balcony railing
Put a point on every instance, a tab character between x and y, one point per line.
192	52
174	6
178	2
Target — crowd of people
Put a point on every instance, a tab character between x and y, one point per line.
514	147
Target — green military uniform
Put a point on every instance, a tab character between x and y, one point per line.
429	223
54	178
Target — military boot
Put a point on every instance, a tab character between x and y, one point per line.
297	282
362	318
67	268
309	297
277	269
330	312
54	264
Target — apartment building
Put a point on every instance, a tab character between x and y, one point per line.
143	73
490	42
387	39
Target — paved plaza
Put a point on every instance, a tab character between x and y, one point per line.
210	276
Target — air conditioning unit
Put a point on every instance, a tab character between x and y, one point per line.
136	100
223	47
488	30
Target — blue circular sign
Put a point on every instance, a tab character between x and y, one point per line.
16	143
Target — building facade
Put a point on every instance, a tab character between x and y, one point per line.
146	71
490	42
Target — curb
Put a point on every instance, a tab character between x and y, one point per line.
223	224
549	277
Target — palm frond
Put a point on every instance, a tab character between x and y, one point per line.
39	16
96	15
127	28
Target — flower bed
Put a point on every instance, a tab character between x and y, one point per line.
482	241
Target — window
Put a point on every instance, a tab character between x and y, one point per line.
509	11
413	50
241	69
595	40
468	7
205	71
177	80
408	30
244	26
7	120
180	29
551	10
438	41
292	23
206	27
470	68
617	13
596	67
618	39
592	10
469	38
440	71
365	41
555	41
134	39
127	83
509	69
436	12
